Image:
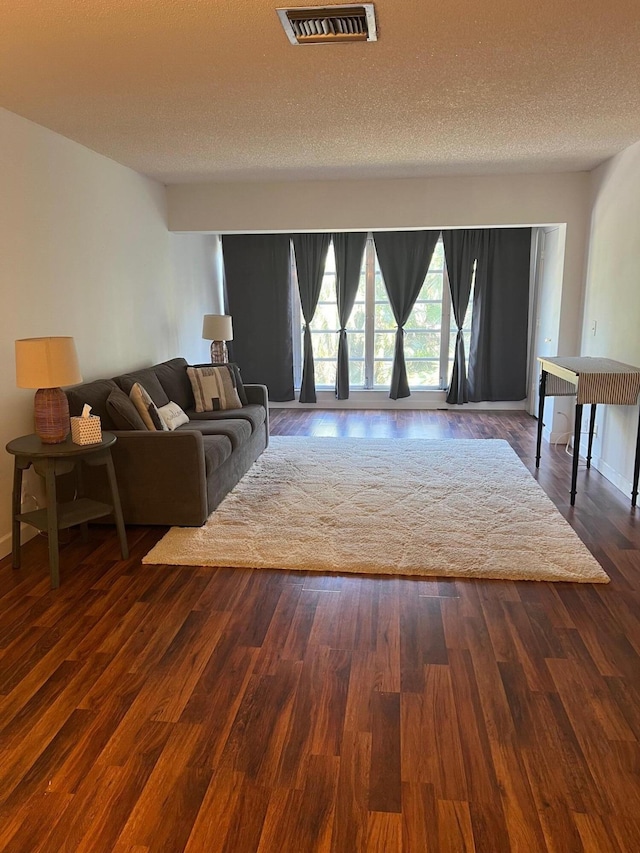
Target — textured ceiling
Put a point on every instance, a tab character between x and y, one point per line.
194	90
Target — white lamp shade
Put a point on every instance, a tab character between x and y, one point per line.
46	363
217	327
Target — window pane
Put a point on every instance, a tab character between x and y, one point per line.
432	287
326	317
425	373
325	373
384	317
422	344
437	261
330	263
328	289
452	345
381	291
382	373
356	321
425	315
355	342
325	345
356	374
384	344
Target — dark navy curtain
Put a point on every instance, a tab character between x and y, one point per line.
256	268
349	250
404	258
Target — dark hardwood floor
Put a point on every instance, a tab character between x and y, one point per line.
147	708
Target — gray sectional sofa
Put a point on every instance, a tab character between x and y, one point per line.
178	477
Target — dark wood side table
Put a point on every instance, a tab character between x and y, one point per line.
50	460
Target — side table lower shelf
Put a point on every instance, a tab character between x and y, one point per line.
70	514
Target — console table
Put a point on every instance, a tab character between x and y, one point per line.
592	381
51	460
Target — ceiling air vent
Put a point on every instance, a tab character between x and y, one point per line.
329	24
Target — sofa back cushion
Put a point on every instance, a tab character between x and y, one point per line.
173	378
96	395
122	411
149	381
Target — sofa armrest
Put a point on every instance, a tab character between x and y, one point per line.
161	477
259	394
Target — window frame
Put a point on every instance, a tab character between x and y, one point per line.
369	265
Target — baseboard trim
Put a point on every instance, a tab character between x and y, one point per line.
557	436
612	475
380	400
26	533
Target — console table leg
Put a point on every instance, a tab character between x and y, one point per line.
52	524
636	469
117	509
592	424
543	388
576	451
15	508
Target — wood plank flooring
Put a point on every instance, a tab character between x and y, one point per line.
147	708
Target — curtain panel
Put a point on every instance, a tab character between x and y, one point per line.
256	268
499	334
311	254
461	250
349	251
404	258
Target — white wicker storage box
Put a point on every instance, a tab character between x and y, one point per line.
86	430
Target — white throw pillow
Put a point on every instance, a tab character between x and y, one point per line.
173	415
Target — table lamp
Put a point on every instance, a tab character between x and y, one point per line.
46	364
218	329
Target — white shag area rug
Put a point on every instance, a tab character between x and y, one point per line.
461	508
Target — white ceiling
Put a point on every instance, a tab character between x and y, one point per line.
196	90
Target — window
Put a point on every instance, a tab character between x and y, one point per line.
430	331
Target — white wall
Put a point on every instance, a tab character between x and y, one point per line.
85	251
196	277
352	205
558	413
612	300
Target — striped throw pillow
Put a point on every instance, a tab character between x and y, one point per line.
214	388
147	409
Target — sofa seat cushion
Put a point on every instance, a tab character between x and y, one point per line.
149	381
217	449
254	413
237	431
96	395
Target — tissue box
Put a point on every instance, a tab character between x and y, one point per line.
86	430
